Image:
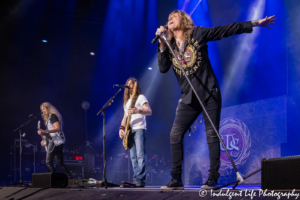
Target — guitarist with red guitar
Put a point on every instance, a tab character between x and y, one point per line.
133	129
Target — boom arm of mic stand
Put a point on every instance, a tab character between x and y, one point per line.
25	124
239	177
109	102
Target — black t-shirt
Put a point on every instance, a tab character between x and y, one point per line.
53	118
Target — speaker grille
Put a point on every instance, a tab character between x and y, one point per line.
281	173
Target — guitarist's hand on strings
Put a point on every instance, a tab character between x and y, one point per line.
41	132
42	143
121	133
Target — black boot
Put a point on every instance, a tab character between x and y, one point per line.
214	159
175	183
210	184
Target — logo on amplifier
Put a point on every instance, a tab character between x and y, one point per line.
237	139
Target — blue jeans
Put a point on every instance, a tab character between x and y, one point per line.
137	155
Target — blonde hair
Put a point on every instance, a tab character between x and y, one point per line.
187	25
52	110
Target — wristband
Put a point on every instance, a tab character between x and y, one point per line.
162	48
122	127
254	23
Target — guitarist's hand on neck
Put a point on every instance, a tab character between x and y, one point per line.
133	111
145	111
41	132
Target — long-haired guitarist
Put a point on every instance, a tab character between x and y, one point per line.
53	137
136	107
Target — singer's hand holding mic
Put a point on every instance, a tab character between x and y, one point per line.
163	30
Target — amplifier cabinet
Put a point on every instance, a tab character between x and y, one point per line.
280	173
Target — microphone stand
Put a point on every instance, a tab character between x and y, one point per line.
104	182
20	132
240	179
235	183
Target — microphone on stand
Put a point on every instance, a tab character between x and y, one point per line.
35	114
158	35
122	86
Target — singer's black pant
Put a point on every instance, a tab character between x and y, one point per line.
57	152
186	114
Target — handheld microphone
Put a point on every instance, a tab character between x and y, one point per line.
158	35
122	86
35	114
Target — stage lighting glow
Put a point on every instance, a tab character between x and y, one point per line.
243	51
92	53
45	41
150	68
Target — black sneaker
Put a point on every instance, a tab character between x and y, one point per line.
209	184
173	185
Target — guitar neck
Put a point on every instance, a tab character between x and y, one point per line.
129	116
127	123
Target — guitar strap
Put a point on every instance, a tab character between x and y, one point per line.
50	142
47	127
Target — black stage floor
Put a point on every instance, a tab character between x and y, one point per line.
150	192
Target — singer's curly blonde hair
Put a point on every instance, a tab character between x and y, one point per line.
52	110
187	25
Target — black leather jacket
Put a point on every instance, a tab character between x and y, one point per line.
195	59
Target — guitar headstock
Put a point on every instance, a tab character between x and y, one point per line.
39	125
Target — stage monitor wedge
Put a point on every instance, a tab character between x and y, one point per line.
53	180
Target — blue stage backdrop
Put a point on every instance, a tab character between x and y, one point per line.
250	131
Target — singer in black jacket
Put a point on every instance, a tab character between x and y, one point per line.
189	43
